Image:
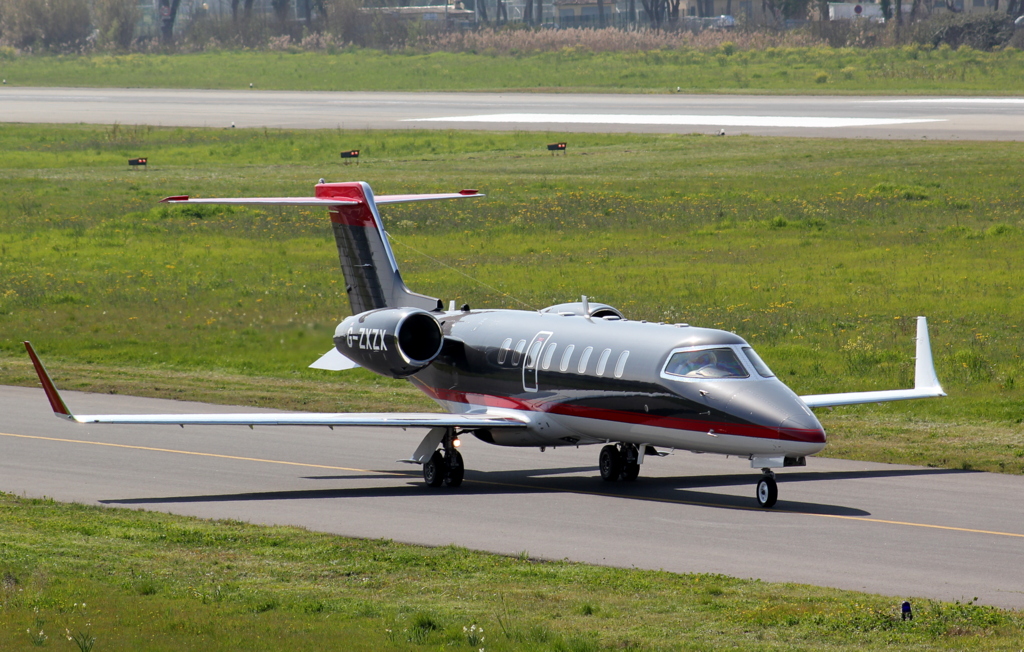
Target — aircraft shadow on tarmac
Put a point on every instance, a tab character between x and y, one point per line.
684	490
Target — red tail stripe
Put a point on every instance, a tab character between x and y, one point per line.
358	215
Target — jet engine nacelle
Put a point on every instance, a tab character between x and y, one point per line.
395	342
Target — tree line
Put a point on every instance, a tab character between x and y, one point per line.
112	25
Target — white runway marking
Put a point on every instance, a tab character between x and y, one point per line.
679	120
951	100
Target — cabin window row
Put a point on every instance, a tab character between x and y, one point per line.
565	360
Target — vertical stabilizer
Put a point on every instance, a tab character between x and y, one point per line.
371	273
372	279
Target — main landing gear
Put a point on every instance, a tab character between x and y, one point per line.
619	462
445	465
767	489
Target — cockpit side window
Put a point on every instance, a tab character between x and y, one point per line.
759	366
706	363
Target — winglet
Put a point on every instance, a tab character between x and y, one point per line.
174	199
926	382
56	402
924	367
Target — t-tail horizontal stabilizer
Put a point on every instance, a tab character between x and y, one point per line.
372	279
926	383
325	201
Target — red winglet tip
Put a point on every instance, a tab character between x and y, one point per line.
167	200
469	192
56	402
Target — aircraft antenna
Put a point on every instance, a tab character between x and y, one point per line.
459	271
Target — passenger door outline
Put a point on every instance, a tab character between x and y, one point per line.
531	361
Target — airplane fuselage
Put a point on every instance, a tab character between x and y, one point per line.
588	380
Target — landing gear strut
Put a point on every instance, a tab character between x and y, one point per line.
619	462
445	465
767	489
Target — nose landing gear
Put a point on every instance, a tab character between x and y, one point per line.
767	489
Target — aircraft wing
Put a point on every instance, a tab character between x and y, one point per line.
926	383
382	419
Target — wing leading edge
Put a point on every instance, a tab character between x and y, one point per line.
926	382
382	419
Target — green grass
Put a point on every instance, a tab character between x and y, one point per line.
819	252
910	69
132	580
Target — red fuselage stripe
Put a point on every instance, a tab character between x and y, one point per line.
623	416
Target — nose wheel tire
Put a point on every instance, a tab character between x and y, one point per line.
610	463
767	492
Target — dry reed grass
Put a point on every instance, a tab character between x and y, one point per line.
504	42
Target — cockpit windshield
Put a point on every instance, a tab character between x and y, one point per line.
706	363
759	366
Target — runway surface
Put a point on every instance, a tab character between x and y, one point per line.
950	118
903	531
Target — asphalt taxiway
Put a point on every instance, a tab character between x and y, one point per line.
897	530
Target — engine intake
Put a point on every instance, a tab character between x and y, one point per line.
396	342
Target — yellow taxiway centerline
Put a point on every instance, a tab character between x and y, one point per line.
508	484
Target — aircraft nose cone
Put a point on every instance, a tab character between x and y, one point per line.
771	404
802	427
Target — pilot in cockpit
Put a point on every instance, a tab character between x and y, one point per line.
706	364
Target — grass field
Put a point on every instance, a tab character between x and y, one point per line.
910	69
820	253
129	580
